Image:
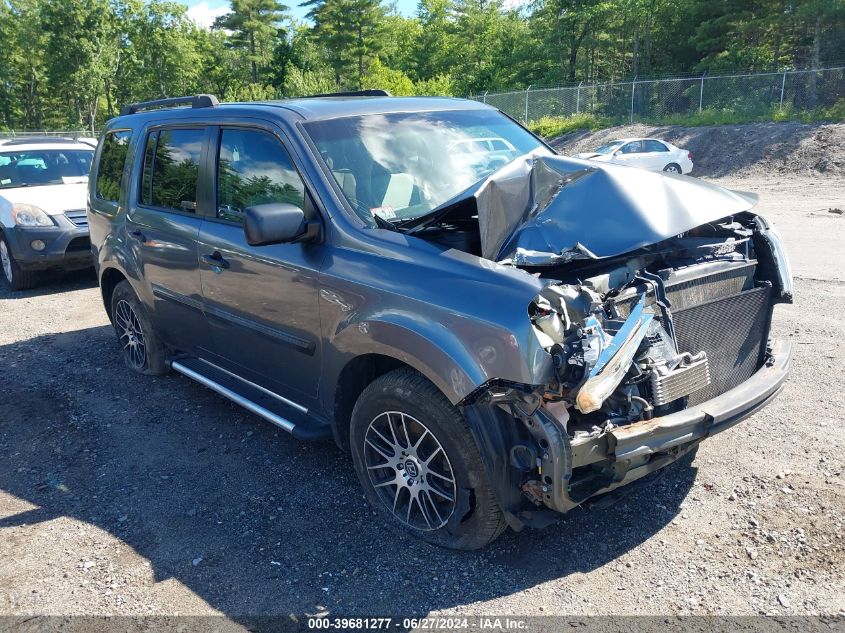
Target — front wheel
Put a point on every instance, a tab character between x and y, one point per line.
419	464
142	350
13	275
673	168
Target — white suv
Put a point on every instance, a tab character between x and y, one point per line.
43	223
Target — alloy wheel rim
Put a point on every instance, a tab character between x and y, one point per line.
131	335
410	471
672	170
7	261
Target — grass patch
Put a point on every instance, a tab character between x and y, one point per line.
554	126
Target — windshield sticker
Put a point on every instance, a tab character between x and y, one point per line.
385	212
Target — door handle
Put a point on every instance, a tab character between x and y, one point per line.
216	260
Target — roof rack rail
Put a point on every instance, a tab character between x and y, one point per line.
375	92
195	101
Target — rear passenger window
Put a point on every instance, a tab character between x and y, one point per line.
110	169
655	146
254	168
171	169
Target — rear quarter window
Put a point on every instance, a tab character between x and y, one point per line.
655	146
112	162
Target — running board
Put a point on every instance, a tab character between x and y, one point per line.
277	410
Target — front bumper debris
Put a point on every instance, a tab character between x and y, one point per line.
591	465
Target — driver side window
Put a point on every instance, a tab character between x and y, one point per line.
634	147
254	168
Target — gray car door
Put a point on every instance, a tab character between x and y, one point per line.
162	225
260	301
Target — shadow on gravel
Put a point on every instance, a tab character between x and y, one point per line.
246	517
52	282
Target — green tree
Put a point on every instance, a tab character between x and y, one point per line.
80	54
488	44
159	53
349	31
435	47
24	88
255	26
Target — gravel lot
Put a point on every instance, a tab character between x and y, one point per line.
128	495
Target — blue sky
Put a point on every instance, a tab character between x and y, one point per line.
203	12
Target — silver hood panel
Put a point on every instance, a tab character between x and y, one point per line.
543	210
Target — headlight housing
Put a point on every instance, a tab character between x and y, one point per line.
30	215
775	244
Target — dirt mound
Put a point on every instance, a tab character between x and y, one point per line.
750	149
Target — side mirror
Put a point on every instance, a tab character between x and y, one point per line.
277	223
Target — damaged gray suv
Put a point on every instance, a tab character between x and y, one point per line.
494	332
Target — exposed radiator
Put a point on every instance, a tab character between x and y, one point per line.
732	331
685	294
721	314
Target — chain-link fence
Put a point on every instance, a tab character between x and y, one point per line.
656	99
10	134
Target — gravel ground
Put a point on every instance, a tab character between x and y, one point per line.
121	494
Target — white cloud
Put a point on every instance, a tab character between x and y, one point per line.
203	13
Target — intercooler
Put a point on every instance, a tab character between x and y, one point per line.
720	311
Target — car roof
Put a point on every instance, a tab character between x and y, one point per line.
333	107
28	147
311	108
637	138
42	143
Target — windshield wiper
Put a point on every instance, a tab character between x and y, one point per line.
384	224
380	221
420	222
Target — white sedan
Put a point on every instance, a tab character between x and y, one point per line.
646	153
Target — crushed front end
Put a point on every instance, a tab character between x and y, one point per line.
653	351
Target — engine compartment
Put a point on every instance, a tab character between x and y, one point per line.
632	338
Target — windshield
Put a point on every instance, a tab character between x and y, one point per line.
608	148
33	168
400	166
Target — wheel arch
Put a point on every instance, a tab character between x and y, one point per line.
355	376
109	278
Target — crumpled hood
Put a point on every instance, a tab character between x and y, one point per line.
542	210
53	199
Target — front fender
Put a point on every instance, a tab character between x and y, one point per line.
430	348
457	353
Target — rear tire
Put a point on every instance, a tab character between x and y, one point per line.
673	168
141	348
419	464
14	277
